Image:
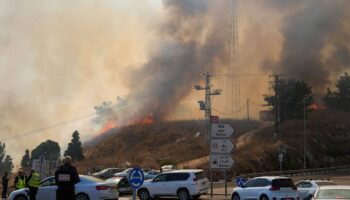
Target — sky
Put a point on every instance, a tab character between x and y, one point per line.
59	59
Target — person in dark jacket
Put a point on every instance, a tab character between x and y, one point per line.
66	177
4	182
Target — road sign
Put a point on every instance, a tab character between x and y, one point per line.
221	162
214	119
221	130
222	146
136	178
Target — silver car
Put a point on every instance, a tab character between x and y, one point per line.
87	189
335	192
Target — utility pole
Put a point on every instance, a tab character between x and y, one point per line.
248	118
206	107
304	133
277	109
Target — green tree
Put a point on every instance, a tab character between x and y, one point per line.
6	164
292	94
49	149
340	98
26	161
75	149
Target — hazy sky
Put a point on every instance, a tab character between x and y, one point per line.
60	58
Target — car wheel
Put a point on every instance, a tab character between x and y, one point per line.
235	197
82	196
143	194
264	197
182	194
20	197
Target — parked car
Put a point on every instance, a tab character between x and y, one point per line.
88	188
267	188
167	168
332	192
184	184
151	174
122	184
307	188
124	173
107	173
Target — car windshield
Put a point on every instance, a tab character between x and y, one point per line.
333	194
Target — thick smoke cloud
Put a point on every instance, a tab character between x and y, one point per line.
316	42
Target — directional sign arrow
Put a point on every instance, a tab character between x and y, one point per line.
222	146
221	161
221	130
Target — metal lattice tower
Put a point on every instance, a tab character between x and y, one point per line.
232	91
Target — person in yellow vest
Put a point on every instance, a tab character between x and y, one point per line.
20	180
33	183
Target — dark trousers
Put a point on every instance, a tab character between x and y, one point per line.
32	193
65	194
4	192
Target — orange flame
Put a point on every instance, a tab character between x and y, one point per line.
315	106
148	119
108	126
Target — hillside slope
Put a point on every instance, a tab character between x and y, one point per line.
150	146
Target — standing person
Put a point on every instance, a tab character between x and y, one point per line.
20	180
4	182
33	183
66	177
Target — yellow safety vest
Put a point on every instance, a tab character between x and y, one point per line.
34	181
21	183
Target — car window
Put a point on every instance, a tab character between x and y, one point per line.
250	183
178	176
283	182
261	182
161	178
48	182
124	183
307	185
200	175
300	185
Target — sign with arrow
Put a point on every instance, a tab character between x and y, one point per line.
222	131
221	162
222	146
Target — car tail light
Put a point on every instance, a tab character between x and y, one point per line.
274	188
101	187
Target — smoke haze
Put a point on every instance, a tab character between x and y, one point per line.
59	59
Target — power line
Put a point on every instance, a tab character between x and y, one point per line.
67	122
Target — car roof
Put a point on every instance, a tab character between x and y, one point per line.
317	180
327	187
184	171
273	177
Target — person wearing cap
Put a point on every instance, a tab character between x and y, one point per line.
4	182
20	180
33	183
66	177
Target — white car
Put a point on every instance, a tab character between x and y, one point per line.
267	188
184	184
332	192
307	188
88	188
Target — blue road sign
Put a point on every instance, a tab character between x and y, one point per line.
136	178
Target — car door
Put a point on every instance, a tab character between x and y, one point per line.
176	181
47	189
257	187
158	186
244	193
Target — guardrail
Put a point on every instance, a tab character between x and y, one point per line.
297	172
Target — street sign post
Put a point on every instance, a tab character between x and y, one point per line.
221	161
223	146
136	179
222	131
